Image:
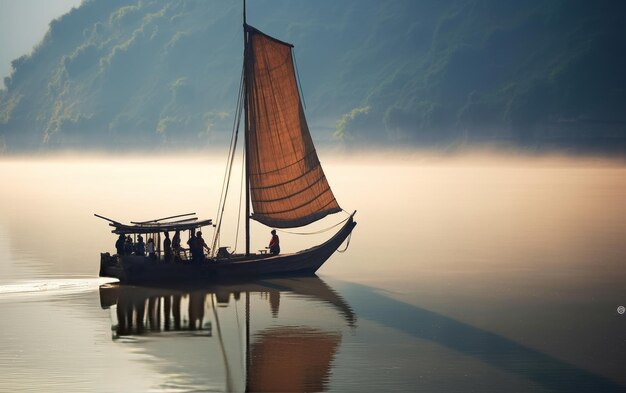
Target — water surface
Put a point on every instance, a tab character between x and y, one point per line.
463	273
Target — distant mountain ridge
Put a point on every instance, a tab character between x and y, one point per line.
124	74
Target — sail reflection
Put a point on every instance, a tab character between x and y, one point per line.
270	335
292	359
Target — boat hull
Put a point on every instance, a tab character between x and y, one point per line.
138	269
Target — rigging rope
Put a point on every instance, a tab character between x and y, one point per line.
349	236
229	166
347	244
315	232
243	166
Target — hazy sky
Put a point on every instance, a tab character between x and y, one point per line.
23	23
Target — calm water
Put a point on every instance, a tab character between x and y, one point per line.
467	273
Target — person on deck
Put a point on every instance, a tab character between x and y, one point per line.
167	247
140	247
274	243
192	243
176	245
150	249
119	244
201	246
128	246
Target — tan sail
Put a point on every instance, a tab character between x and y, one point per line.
287	184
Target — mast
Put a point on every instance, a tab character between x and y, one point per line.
248	360
245	122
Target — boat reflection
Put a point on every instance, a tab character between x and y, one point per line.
270	335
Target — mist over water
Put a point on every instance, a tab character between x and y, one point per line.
527	250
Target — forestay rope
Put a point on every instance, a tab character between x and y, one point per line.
324	230
319	231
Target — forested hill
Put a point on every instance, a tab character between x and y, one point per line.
124	74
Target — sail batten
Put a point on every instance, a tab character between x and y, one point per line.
304	204
295	207
289	165
286	180
289	195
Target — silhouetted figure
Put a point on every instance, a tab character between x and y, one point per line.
128	246
274	243
150	249
140	247
200	247
176	245
167	248
119	244
193	247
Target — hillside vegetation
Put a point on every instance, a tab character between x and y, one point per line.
123	74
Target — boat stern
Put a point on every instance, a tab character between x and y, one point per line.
110	266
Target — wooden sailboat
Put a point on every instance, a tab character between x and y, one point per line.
285	184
